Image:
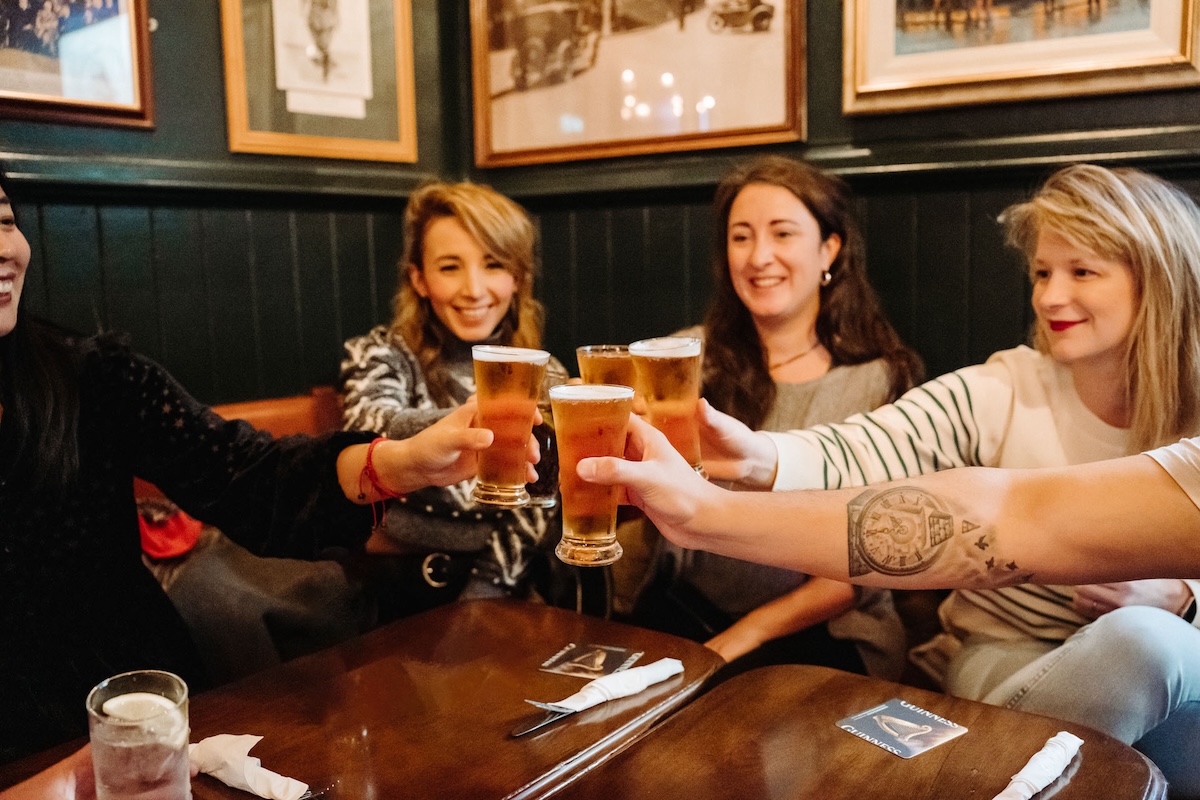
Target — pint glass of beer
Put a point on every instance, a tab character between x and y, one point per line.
668	378
606	363
508	381
590	420
138	726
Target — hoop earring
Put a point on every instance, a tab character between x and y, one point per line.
826	278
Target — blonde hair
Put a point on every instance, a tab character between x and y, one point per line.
1141	220
504	230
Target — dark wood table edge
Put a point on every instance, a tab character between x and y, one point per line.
587	760
595	756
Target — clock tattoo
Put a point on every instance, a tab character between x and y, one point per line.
898	531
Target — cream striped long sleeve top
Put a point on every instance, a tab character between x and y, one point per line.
1019	409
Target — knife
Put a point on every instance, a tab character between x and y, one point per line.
552	713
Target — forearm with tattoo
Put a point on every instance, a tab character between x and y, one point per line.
901	531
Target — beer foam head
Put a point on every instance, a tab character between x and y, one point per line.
667	347
603	350
499	352
590	391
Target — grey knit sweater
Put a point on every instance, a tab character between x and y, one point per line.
384	390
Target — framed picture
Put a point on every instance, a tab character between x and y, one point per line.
86	63
327	78
916	54
566	80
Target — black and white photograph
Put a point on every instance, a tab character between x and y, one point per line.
323	54
331	78
574	79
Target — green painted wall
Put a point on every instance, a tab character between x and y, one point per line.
243	273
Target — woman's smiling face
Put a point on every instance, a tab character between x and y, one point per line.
14	261
1085	303
776	253
467	288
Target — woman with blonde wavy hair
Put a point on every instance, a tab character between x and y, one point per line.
465	278
504	232
1114	259
1154	228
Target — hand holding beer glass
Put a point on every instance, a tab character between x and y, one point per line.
508	381
138	725
589	421
668	378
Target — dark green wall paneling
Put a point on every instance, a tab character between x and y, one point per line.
237	303
230	269
623	273
244	273
998	294
184	310
317	319
71	262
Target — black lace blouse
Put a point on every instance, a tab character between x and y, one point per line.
76	603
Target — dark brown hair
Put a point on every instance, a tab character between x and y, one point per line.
39	394
850	323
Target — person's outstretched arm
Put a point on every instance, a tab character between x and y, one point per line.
968	528
734	452
444	453
817	600
69	779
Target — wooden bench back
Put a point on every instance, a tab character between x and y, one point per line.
315	413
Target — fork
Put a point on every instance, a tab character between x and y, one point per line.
545	707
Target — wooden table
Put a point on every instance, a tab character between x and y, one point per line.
424	707
772	733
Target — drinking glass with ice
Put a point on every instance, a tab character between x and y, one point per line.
138	724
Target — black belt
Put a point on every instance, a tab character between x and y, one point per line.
439	570
403	584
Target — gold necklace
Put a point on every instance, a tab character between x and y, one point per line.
797	357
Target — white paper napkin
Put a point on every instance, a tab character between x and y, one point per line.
226	757
1041	770
622	684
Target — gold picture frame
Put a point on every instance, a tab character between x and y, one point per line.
567	81
338	86
920	54
76	64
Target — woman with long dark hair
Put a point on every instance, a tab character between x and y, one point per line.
80	417
795	335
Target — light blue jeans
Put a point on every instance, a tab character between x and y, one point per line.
1133	674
